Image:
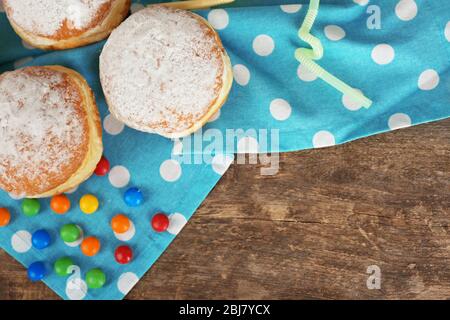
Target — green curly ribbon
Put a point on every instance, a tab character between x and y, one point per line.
307	56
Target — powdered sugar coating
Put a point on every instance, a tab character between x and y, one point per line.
161	70
42	130
48	18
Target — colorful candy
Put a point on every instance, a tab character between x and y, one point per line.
70	233
102	167
5	217
123	227
62	266
37	271
133	197
30	207
120	223
160	222
60	204
41	239
95	278
123	254
88	204
90	246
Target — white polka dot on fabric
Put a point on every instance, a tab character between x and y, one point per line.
383	54
177	147
247	145
215	116
218	18
112	125
406	10
126	282
170	170
291	8
135	7
176	222
221	162
323	139
241	74
428	80
76	289
263	45
361	2
21	62
119	176
27	46
351	104
15	196
304	74
334	33
398	121
447	31
73	190
126	236
21	241
280	109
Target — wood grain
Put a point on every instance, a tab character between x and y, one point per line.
312	230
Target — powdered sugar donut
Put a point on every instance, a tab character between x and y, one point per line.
50	131
165	71
63	24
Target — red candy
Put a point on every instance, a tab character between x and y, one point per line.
102	167
160	222
123	254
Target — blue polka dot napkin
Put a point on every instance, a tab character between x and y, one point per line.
396	52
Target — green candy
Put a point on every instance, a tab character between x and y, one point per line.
95	278
30	207
70	233
62	266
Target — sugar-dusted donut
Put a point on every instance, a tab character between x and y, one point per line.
50	131
165	71
64	24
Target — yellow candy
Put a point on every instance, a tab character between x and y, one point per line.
88	204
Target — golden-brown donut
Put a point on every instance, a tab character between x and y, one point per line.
64	24
165	71
50	131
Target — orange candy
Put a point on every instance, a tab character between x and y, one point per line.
120	223
90	246
60	204
5	217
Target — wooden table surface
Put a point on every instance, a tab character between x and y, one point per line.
312	230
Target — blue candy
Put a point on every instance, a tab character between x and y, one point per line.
37	271
133	197
41	239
